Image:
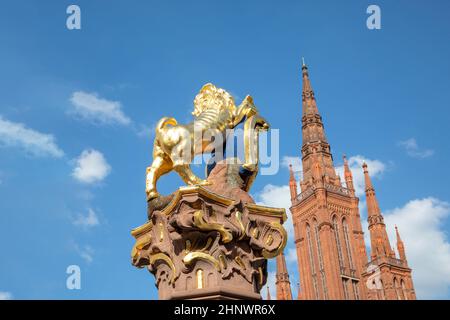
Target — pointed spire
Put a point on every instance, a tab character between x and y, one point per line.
268	293
299	292
397	234
309	102
372	203
282	279
292	183
348	175
369	186
314	140
400	246
380	245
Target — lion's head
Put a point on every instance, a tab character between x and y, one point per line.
212	97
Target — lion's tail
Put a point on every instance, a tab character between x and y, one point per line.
163	122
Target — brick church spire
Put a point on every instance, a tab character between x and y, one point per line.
292	183
308	99
400	246
328	234
268	293
299	293
282	279
380	245
315	147
348	176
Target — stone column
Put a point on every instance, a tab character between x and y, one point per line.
210	242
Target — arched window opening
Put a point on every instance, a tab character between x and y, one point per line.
345	287
338	241
383	293
397	289
311	261
355	289
405	293
321	265
347	243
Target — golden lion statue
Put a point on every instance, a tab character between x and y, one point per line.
214	113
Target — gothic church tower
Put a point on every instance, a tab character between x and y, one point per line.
331	252
328	233
387	276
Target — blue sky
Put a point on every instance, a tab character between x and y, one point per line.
72	178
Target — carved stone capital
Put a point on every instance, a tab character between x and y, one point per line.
204	245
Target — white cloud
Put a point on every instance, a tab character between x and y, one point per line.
91	166
413	150
375	167
277	197
291	255
296	163
145	131
87	221
90	106
5	295
271	279
421	224
36	143
86	253
272	287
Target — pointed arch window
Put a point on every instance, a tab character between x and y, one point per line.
396	289
347	243
311	261
338	241
321	265
379	297
345	286
405	293
340	255
356	289
383	293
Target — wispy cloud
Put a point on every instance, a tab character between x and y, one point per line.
85	252
376	169
422	225
91	107
272	287
279	197
413	150
296	163
86	221
5	295
291	255
16	134
91	167
145	131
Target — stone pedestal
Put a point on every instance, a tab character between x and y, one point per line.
206	245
